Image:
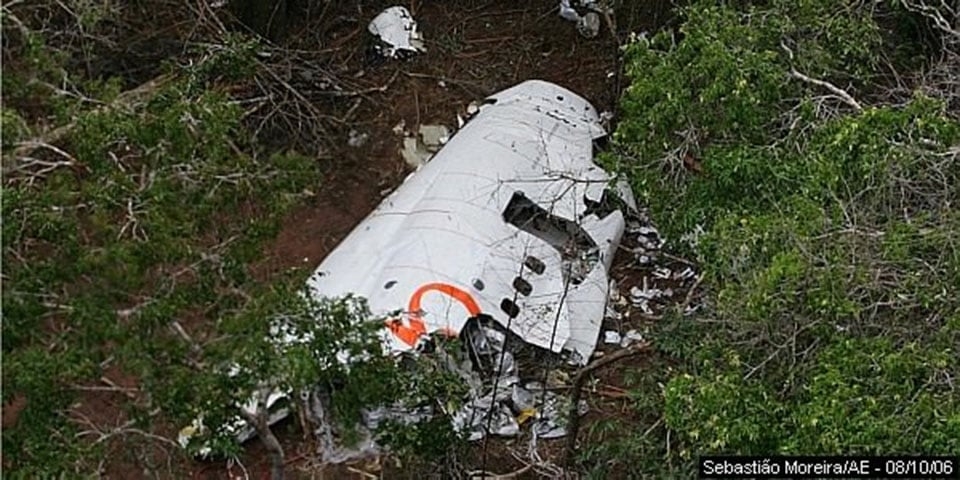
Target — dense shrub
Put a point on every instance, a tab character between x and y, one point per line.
827	237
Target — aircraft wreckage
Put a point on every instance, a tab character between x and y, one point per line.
511	221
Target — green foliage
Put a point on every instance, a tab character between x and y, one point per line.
720	90
13	128
157	219
290	342
868	396
828	240
709	411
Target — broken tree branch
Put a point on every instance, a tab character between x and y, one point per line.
579	379
846	97
127	99
259	421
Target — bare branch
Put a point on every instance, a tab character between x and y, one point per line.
846	97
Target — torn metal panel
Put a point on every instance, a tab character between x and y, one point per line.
450	243
397	30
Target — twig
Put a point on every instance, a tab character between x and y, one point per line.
689	297
361	473
678	259
849	100
357	93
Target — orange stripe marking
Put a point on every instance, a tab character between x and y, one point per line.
410	334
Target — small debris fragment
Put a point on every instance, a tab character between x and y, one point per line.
647	243
614	292
434	136
685	274
400	127
585	13
413	153
473	108
567	12
611	337
631	337
418	149
357	139
555	379
662	273
397	32
589	25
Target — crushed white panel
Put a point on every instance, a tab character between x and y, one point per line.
527	154
397	30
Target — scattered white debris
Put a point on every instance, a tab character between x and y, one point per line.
685	274
473	108
589	25
419	148
647	243
614	291
357	139
662	273
586	14
631	337
567	11
434	136
397	31
645	307
693	238
611	337
413	153
400	127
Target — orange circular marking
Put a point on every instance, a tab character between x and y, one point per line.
410	334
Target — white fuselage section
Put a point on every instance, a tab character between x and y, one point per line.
505	198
